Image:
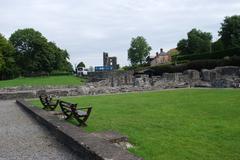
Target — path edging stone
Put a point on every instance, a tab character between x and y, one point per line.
88	146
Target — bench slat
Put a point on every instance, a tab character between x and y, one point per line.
81	113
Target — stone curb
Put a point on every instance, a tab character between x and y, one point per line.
87	146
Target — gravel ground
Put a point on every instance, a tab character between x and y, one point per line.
22	138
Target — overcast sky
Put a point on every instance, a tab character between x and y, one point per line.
86	28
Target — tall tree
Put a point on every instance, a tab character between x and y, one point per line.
138	50
35	54
60	58
217	46
31	50
8	67
182	46
81	64
230	31
197	42
1	61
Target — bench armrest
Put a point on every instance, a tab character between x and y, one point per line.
85	108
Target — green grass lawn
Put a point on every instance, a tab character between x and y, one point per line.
192	124
42	81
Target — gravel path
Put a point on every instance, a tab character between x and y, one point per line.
22	138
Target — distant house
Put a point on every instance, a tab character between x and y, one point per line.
160	58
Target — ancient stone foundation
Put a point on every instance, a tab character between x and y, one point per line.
220	77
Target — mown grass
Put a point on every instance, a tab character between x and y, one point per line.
42	81
171	125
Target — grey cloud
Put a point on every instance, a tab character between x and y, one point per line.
86	28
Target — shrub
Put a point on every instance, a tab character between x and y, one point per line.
213	55
60	73
39	74
197	65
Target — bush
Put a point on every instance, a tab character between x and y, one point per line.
197	65
34	74
60	73
39	74
213	55
135	67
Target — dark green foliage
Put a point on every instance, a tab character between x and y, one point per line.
60	73
8	67
34	54
230	31
135	67
216	55
138	50
182	46
31	51
217	46
60	62
196	64
197	42
81	64
69	67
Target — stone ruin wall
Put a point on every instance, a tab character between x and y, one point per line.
111	78
220	77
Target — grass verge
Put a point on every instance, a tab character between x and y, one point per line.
171	125
42	81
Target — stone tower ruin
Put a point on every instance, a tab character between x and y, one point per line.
110	61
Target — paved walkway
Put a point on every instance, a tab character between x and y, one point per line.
22	138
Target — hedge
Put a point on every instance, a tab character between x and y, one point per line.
196	65
213	55
54	73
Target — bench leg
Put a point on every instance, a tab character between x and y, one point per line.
68	116
80	121
52	108
82	124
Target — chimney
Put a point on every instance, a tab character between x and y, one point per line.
157	54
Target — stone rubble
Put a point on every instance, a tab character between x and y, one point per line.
220	77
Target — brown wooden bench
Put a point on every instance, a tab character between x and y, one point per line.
71	110
48	102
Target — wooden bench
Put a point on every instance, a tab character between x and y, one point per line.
48	102
71	110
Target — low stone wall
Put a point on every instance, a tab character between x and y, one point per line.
113	78
78	91
220	77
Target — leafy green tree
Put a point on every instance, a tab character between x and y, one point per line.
230	31
32	54
35	54
59	58
1	61
3	45
217	46
138	50
81	64
8	67
182	46
197	42
69	67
